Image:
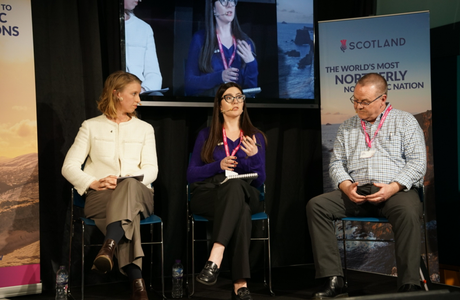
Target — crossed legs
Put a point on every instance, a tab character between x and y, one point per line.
120	209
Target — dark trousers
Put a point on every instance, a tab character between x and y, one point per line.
403	211
229	206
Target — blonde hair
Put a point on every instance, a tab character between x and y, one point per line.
116	81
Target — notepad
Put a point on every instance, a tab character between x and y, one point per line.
241	176
138	177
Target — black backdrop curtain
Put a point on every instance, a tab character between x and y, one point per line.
71	59
76	47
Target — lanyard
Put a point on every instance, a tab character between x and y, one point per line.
224	61
368	140
227	152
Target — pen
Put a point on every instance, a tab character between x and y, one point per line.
257	144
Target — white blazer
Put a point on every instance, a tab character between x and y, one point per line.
109	148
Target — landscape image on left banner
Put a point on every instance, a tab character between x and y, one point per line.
19	211
19	200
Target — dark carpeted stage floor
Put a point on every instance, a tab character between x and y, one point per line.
295	282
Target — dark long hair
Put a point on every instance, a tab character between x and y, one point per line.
210	43
217	122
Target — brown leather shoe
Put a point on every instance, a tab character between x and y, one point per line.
104	259
139	290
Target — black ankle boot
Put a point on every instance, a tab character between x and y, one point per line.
334	287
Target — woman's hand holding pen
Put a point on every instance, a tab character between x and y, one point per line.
106	183
250	146
244	50
228	163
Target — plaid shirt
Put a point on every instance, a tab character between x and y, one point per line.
400	151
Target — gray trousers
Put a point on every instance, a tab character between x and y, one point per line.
126	203
403	211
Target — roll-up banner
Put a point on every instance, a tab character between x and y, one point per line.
398	48
19	203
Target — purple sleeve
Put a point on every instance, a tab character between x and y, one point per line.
251	71
195	80
198	170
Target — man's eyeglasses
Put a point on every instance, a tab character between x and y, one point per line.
363	103
225	2
230	98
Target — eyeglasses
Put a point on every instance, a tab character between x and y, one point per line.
230	98
225	2
363	103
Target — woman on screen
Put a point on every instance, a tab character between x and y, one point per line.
220	53
115	144
231	143
141	54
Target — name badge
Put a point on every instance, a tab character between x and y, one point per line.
367	154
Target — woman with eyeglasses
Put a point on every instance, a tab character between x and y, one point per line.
220	53
230	144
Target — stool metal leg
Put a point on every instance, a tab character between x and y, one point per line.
162	262
269	260
82	260
193	259
344	252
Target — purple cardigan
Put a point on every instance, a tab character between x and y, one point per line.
199	170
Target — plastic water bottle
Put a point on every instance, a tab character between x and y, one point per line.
177	278
62	280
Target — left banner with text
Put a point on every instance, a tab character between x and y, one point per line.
19	201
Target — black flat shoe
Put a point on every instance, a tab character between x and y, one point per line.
242	294
409	288
334	287
209	274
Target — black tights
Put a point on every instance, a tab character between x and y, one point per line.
133	271
115	232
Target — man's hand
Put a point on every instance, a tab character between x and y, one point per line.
350	188
385	192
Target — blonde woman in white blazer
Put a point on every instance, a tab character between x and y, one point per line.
116	144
